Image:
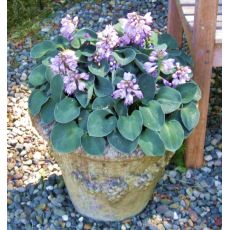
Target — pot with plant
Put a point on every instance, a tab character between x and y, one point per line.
114	107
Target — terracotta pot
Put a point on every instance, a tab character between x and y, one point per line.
108	189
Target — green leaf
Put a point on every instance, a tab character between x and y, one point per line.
66	110
76	43
61	42
147	85
84	97
168	40
88	50
82	119
130	127
100	69
169	98
56	87
172	134
49	74
153	116
103	102
190	115
151	143
123	145
117	75
38	76
36	100
131	68
124	56
197	95
42	48
103	87
47	111
154	38
187	91
101	123
93	145
118	28
66	138
140	59
85	34
120	108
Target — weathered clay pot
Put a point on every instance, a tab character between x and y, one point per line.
108	189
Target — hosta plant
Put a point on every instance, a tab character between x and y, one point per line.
127	86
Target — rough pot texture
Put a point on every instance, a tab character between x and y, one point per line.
108	188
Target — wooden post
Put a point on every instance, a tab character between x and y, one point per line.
203	49
174	27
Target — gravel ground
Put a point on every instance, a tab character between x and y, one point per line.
37	197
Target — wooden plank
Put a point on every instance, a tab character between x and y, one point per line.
175	27
203	51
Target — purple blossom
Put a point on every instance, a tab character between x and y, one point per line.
64	62
69	25
75	82
136	29
128	89
151	66
167	66
107	40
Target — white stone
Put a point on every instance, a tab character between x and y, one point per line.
175	216
65	218
49	188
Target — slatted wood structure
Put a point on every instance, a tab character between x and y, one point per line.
201	20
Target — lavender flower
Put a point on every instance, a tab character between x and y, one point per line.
107	40
64	62
75	82
182	75
136	29
151	67
68	26
128	89
167	66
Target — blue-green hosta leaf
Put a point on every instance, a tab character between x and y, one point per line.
169	98
197	95
61	42
93	145
151	143
147	85
172	134
131	68
140	59
103	102
88	50
187	91
82	119
124	56
120	108
103	87
85	34
66	110
190	115
123	145
100	69
101	123
84	97
49	74
168	40
76	43
47	111
117	75
154	38
66	138
118	28
42	48
57	87
130	127
153	116
36	100
38	76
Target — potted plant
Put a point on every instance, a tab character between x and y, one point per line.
114	106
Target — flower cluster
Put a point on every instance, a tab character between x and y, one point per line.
65	64
107	40
180	76
127	89
69	25
136	29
